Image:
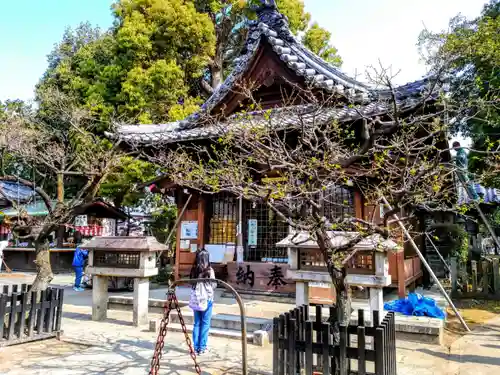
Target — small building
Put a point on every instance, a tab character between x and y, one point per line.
95	218
275	62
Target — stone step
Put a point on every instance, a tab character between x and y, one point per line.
215	332
262	296
225	321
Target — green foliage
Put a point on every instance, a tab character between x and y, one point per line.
454	236
163	222
471	53
317	40
165	275
119	186
139	69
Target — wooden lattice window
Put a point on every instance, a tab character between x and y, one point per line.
270	230
223	220
111	259
362	263
338	203
311	259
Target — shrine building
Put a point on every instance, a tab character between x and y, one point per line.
274	61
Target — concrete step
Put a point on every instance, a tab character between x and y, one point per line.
225	321
215	332
126	303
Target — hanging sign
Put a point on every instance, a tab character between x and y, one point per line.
81	221
252	232
189	230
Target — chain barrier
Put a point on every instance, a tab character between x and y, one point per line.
160	342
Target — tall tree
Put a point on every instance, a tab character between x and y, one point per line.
150	66
470	53
71	150
231	18
140	70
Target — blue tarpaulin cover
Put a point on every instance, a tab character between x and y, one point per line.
417	305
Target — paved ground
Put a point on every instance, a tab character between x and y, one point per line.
116	347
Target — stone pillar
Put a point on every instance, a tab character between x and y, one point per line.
99	297
141	301
377	301
301	293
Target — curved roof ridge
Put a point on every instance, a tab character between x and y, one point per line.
274	27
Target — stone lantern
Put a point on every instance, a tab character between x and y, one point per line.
367	264
133	257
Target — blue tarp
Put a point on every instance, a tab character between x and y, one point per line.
415	305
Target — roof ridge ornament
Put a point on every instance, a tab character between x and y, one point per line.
268	14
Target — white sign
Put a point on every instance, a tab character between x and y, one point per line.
189	230
216	252
252	232
318	284
109	227
229	255
81	221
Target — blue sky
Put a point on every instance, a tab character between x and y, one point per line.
364	31
29	29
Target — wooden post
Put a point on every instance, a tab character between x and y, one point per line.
291	346
474	276
454	275
484	270
496	276
463	271
276	344
401	274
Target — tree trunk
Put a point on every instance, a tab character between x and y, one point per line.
60	199
342	290
44	271
216	73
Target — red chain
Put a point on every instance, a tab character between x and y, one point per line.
160	342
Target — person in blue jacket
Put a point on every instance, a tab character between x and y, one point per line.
78	264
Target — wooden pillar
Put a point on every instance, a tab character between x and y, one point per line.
474	276
454	275
484	270
358	205
496	276
401	274
201	221
179	196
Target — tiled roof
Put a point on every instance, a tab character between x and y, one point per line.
277	118
272	27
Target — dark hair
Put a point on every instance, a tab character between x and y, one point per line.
456	144
201	266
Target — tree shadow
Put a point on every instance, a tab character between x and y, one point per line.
88	317
467	358
134	357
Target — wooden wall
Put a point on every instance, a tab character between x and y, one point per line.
195	211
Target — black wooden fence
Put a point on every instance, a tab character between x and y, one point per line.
305	346
29	316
